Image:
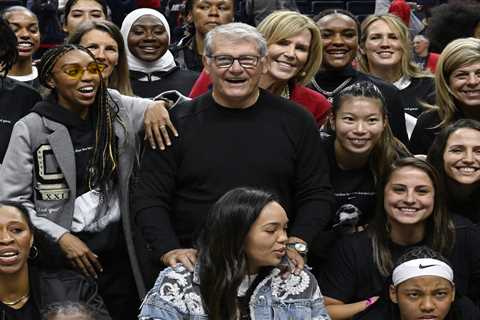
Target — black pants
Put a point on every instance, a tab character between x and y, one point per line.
117	287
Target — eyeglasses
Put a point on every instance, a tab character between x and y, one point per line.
76	71
226	61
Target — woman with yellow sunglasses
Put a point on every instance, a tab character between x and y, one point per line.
69	163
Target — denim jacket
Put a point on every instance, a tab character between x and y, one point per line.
176	295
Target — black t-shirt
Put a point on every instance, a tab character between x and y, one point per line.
351	275
16	100
154	83
354	190
28	312
420	90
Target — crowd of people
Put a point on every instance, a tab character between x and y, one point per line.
308	167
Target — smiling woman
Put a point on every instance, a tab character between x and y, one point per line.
25	25
152	67
456	154
76	151
411	211
457	80
359	144
386	52
104	40
340	31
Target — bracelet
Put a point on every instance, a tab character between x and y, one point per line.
369	302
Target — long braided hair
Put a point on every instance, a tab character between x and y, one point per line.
104	160
8	48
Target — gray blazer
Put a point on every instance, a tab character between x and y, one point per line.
39	170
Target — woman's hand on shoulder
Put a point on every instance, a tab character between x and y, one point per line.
158	126
80	256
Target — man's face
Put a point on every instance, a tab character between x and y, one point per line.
420	45
235	86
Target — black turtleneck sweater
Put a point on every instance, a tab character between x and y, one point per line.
273	145
329	80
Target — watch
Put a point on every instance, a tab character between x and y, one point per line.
300	247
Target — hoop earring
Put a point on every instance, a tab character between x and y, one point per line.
388	227
33	253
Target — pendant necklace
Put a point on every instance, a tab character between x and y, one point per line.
285	92
12	303
330	94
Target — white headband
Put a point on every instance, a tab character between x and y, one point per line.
421	267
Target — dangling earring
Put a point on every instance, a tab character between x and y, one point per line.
388	227
303	74
33	253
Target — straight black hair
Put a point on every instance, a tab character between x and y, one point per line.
221	249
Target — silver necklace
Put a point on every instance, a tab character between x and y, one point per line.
331	94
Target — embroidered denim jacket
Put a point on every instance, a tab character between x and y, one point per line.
176	295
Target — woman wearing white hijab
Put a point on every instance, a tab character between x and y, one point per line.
152	67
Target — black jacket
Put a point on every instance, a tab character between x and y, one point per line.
49	287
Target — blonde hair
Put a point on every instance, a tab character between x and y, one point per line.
458	53
280	25
407	67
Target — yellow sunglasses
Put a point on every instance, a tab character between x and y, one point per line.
76	71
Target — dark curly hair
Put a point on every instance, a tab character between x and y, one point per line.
463	16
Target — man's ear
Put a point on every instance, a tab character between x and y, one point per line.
331	119
206	66
393	294
264	64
